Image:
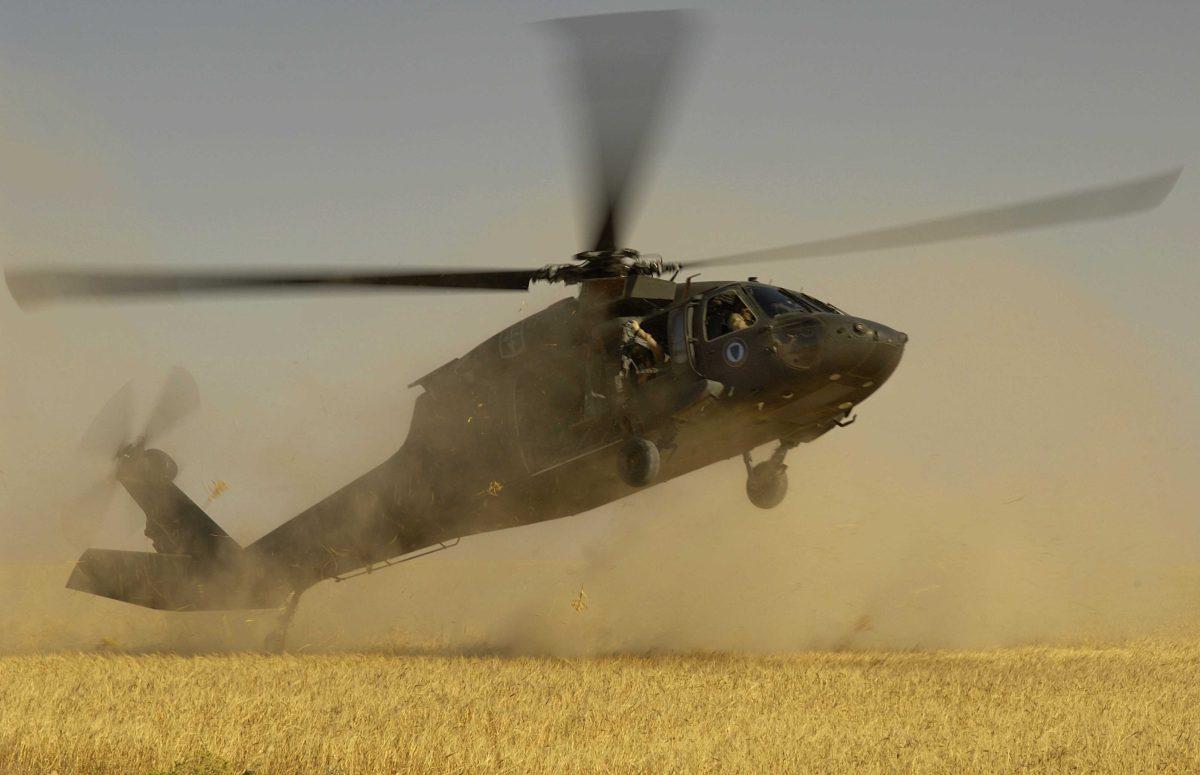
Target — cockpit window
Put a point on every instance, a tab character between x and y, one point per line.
822	306
776	301
780	301
726	312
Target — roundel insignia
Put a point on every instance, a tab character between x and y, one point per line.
736	352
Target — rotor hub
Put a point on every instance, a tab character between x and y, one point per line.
598	264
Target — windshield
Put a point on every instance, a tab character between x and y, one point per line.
776	301
780	301
822	306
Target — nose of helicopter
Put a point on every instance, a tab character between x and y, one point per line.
860	348
842	348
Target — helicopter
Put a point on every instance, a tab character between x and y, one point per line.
647	374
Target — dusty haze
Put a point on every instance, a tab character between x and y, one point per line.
1026	476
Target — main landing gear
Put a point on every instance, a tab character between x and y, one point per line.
766	483
638	461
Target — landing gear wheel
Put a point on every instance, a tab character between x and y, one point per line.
638	462
767	485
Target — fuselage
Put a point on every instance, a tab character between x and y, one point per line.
526	426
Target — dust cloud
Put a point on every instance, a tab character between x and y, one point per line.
1026	476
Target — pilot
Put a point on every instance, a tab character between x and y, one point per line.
738	319
727	313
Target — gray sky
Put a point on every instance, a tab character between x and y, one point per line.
287	133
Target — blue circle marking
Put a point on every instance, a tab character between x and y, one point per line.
736	352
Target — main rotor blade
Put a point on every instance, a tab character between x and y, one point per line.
623	64
178	399
1090	204
42	286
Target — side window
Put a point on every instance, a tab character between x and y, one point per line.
724	313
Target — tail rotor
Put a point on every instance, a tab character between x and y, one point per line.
111	437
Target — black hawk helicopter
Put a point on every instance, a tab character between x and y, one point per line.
638	379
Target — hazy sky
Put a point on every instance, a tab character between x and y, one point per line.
288	133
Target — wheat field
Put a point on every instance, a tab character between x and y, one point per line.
1132	708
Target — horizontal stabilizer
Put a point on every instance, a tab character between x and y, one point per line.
173	582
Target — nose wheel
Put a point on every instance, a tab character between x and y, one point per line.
767	482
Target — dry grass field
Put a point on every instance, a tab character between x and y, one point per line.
1133	708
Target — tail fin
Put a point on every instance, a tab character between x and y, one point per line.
197	566
175	524
174	582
